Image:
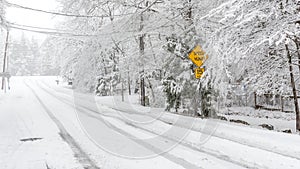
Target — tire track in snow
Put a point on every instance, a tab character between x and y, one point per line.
193	129
172	158
79	154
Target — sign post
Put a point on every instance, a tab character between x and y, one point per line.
198	57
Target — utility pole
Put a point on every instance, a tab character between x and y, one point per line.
5	59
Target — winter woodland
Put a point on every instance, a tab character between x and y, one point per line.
141	47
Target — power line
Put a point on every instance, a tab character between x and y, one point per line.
53	33
59	13
56	32
35	27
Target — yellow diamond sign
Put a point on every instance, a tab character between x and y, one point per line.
198	56
199	72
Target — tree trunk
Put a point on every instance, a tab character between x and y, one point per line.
151	88
298	51
129	84
190	12
282	103
142	50
255	100
294	88
122	88
143	93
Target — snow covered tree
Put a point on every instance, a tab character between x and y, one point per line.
147	42
249	36
173	91
24	57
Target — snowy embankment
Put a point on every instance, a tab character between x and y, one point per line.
243	145
279	120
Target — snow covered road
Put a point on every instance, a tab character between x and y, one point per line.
106	133
22	117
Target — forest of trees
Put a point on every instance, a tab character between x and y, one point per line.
26	58
142	44
23	57
145	44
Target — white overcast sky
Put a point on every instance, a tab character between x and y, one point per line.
32	18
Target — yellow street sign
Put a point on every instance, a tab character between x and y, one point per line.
198	56
199	72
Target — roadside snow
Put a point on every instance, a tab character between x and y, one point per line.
21	117
280	120
251	112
